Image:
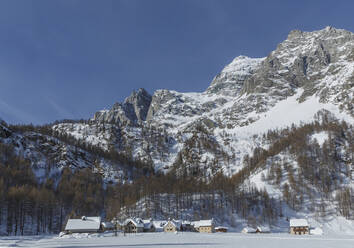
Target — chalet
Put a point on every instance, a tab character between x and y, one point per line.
148	225
133	225
204	226
221	229
159	225
172	226
299	226
84	225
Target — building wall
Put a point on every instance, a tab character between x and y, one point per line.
130	228
169	227
206	229
299	230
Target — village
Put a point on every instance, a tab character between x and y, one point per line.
139	225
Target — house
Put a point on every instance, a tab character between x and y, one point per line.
221	229
133	225
262	229
187	226
148	225
158	225
204	226
84	225
107	226
299	226
172	226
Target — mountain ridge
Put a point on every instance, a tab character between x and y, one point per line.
244	115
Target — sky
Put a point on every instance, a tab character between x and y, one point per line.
69	59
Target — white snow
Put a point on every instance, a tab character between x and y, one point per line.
298	222
195	240
85	223
242	65
320	137
316	231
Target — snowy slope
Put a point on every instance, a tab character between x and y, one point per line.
306	73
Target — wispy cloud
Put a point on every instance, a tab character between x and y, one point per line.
15	114
60	110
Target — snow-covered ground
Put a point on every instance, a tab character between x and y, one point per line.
184	240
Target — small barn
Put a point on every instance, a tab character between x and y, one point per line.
159	225
221	229
262	229
133	225
148	225
299	226
107	226
84	225
186	226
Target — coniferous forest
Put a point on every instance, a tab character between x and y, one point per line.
316	177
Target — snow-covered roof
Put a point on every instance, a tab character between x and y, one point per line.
147	223
85	223
186	222
263	229
138	222
158	223
203	223
107	224
298	222
176	223
248	230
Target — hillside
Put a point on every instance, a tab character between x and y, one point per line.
270	138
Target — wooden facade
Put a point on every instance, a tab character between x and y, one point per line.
299	226
299	230
170	227
131	227
221	229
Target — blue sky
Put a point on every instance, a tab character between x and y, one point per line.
68	59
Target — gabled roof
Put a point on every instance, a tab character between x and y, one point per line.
298	222
176	223
87	223
138	222
147	223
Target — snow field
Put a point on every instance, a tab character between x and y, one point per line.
196	240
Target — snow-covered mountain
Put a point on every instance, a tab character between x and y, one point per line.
252	110
306	73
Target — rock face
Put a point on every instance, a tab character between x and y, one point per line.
313	61
132	111
230	80
306	73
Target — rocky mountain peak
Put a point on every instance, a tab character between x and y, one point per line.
137	104
309	60
230	80
133	110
